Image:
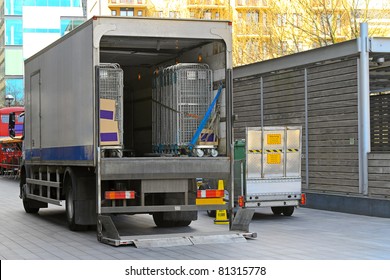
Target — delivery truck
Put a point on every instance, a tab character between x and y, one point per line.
119	114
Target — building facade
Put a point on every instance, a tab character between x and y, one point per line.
265	29
25	28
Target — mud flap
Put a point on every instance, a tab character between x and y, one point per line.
242	219
106	231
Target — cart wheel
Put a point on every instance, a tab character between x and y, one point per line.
214	153
199	153
288	210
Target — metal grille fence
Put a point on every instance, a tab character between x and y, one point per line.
181	96
111	87
380	122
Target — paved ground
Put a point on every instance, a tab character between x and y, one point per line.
308	234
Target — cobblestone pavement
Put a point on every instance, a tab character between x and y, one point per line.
308	234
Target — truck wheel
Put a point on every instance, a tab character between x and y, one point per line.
288	210
184	223
277	210
26	202
70	187
159	220
28	208
211	213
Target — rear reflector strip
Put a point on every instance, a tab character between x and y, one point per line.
210	193
119	195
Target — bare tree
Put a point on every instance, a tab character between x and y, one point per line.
297	25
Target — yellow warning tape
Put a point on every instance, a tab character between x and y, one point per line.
273	151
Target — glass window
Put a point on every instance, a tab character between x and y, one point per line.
64	26
113	12
76	3
29	2
13	7
140	13
13	32
127	12
68	24
53	3
14	62
15	87
41	2
65	3
4	118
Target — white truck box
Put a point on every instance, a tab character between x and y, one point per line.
64	157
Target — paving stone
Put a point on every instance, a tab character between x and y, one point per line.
309	234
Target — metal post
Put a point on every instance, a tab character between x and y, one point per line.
261	102
262	125
230	140
97	142
306	133
364	109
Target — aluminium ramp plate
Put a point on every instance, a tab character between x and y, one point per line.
111	236
170	240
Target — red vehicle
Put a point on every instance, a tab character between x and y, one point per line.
10	148
10	155
4	119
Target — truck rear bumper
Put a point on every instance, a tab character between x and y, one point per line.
160	208
277	203
272	200
164	168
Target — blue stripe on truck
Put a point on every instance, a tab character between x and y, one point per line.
77	153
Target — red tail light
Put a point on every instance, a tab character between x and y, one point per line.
111	195
241	201
210	193
303	199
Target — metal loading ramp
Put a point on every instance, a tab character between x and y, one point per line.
239	232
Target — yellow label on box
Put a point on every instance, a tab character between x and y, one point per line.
273	158
274	139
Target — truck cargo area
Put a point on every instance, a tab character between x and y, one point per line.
141	58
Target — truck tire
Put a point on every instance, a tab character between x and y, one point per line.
70	190
288	210
277	210
27	203
211	213
160	220
28	208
